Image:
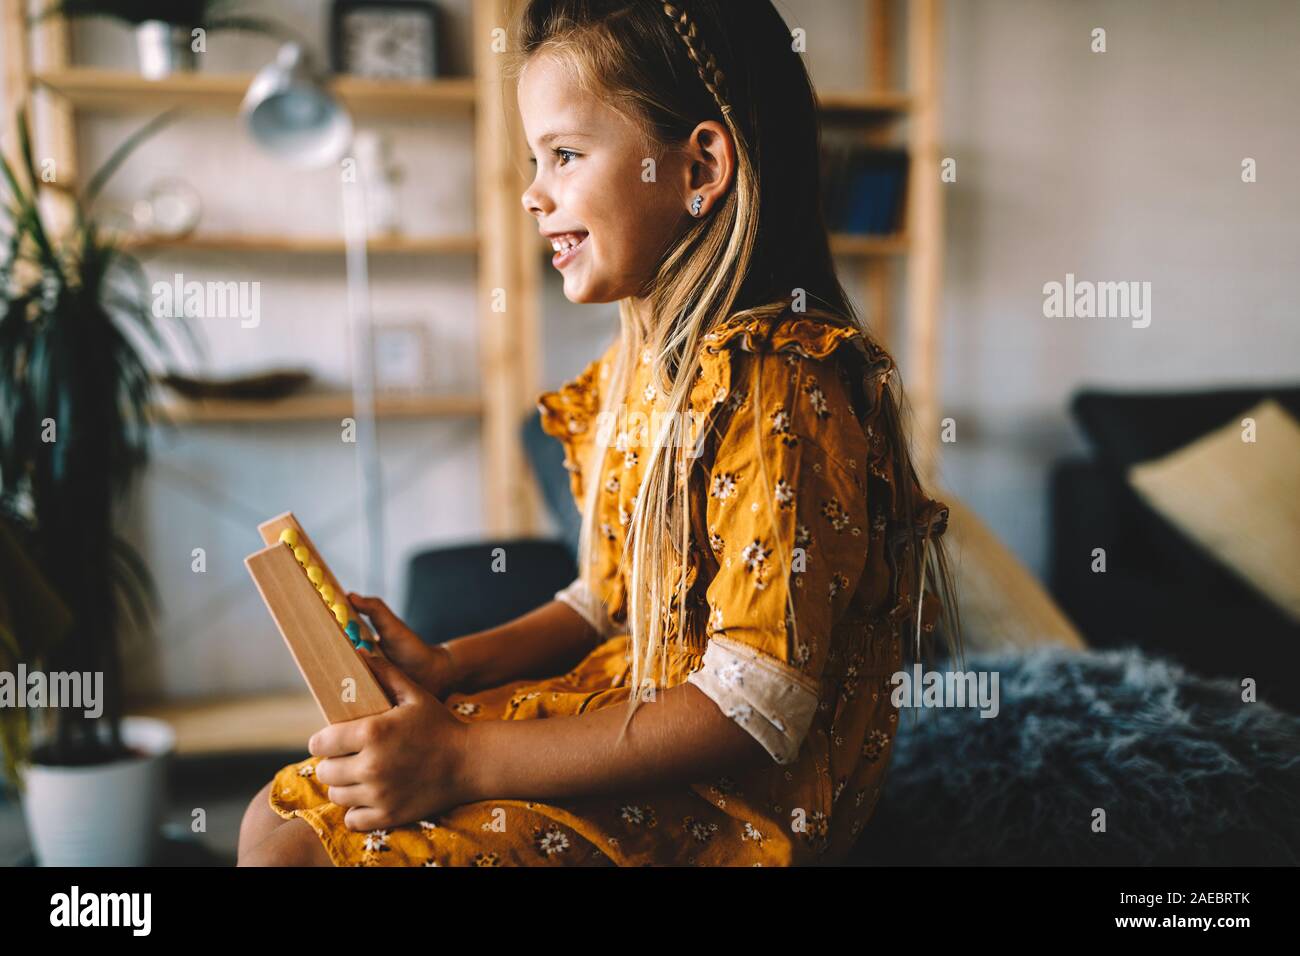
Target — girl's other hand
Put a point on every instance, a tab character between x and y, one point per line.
403	765
430	667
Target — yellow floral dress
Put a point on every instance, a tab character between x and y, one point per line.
815	695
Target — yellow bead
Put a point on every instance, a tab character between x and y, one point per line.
302	554
315	575
327	594
341	612
290	537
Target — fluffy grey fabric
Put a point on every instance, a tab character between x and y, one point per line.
1185	771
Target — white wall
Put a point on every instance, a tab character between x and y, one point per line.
1116	166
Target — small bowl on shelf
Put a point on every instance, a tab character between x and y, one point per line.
257	387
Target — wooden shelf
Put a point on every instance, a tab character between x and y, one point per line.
118	91
221	725
845	244
319	406
854	105
842	244
311	245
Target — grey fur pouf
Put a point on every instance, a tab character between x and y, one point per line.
1186	772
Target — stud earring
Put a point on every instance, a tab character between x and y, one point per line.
696	204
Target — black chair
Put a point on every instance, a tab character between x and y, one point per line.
456	590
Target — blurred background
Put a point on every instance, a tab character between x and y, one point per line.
1112	157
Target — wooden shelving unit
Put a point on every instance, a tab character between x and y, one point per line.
502	240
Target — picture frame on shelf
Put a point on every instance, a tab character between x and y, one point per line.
386	39
401	350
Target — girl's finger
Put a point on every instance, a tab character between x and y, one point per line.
354	795
339	772
338	740
364	818
375	609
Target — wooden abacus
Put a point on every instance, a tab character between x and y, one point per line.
323	630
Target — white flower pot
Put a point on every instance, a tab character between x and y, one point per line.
102	815
164	49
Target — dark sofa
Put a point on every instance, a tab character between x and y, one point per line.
1160	591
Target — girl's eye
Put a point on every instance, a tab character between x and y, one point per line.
558	151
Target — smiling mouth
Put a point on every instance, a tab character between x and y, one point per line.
567	247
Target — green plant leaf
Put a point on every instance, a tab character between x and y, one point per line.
26	216
125	149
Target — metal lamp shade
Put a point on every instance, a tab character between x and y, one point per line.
291	115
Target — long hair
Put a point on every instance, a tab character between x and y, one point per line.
667	67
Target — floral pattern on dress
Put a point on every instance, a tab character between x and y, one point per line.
793	505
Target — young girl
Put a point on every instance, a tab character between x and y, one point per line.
757	558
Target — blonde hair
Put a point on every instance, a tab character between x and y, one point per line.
744	259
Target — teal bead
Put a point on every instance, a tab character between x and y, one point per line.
364	646
353	631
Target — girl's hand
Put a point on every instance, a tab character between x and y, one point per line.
430	667
397	767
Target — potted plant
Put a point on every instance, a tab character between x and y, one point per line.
75	397
165	30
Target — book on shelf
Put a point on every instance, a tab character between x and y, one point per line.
864	188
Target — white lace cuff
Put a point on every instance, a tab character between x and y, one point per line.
579	597
771	700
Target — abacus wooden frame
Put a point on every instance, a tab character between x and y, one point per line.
317	643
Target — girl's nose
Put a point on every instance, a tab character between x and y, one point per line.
534	201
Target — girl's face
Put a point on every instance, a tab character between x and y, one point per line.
589	193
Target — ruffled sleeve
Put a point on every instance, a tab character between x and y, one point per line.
788	523
570	414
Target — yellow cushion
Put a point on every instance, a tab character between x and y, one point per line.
1001	604
1238	499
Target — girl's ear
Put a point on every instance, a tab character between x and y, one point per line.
710	168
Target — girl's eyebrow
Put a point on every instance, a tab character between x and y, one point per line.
542	141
